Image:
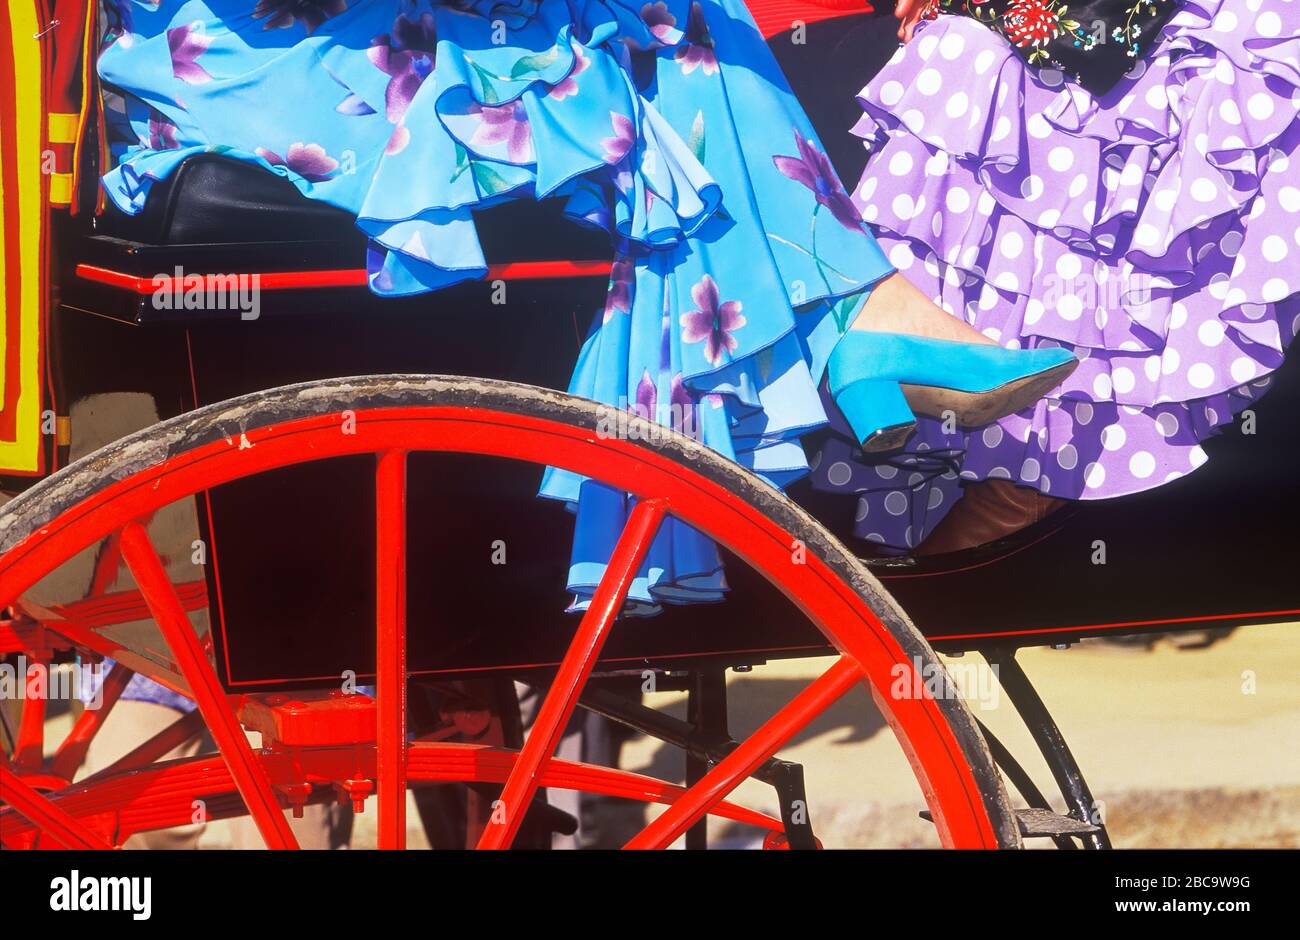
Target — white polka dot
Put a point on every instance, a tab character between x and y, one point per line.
1204	191
1060	159
1260	106
1166	424
1113	437
1288	198
1268	24
1078	185
957	105
1229	111
1156	97
992	435
1274	248
1083	413
886	471
1001	128
1142	465
937	165
1123	379
1030	470
896	503
1094	475
900	164
891	93
1101	386
1031	187
1038	126
1034	311
935	499
1007	281
1067	457
914	119
1011	245
957	200
1197	456
1000	473
1200	375
902	206
1243	369
929	82
1274	289
1069	266
839	473
1210	333
901	257
1147	234
952	45
1048	217
983	61
927	45
1170	361
1069	307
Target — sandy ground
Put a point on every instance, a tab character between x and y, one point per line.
1190	748
1196	748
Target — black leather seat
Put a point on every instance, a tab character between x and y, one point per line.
216	200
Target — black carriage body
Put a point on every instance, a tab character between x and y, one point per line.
289	577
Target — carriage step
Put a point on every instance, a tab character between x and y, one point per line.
1042	823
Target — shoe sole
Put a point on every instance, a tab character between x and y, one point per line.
890	438
976	409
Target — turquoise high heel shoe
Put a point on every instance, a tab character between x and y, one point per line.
879	380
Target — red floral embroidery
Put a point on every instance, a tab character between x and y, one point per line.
1031	22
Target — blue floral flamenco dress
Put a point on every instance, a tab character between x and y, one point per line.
739	259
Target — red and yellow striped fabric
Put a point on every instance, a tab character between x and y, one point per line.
26	167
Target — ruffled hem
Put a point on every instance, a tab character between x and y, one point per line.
1142	230
738	253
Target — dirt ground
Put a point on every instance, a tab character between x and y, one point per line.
1195	748
1182	747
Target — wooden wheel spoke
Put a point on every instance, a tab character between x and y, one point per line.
73	750
552	718
249	775
820	694
29	749
390	647
67	830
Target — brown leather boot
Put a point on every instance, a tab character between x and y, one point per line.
988	510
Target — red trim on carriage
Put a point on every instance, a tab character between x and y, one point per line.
348	277
776	16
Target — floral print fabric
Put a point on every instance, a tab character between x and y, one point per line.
738	256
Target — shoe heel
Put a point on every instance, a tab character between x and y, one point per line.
877	412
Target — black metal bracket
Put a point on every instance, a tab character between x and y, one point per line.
1051	743
705	740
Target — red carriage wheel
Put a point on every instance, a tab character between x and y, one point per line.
110	492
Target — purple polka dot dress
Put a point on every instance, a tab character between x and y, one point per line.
1154	231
